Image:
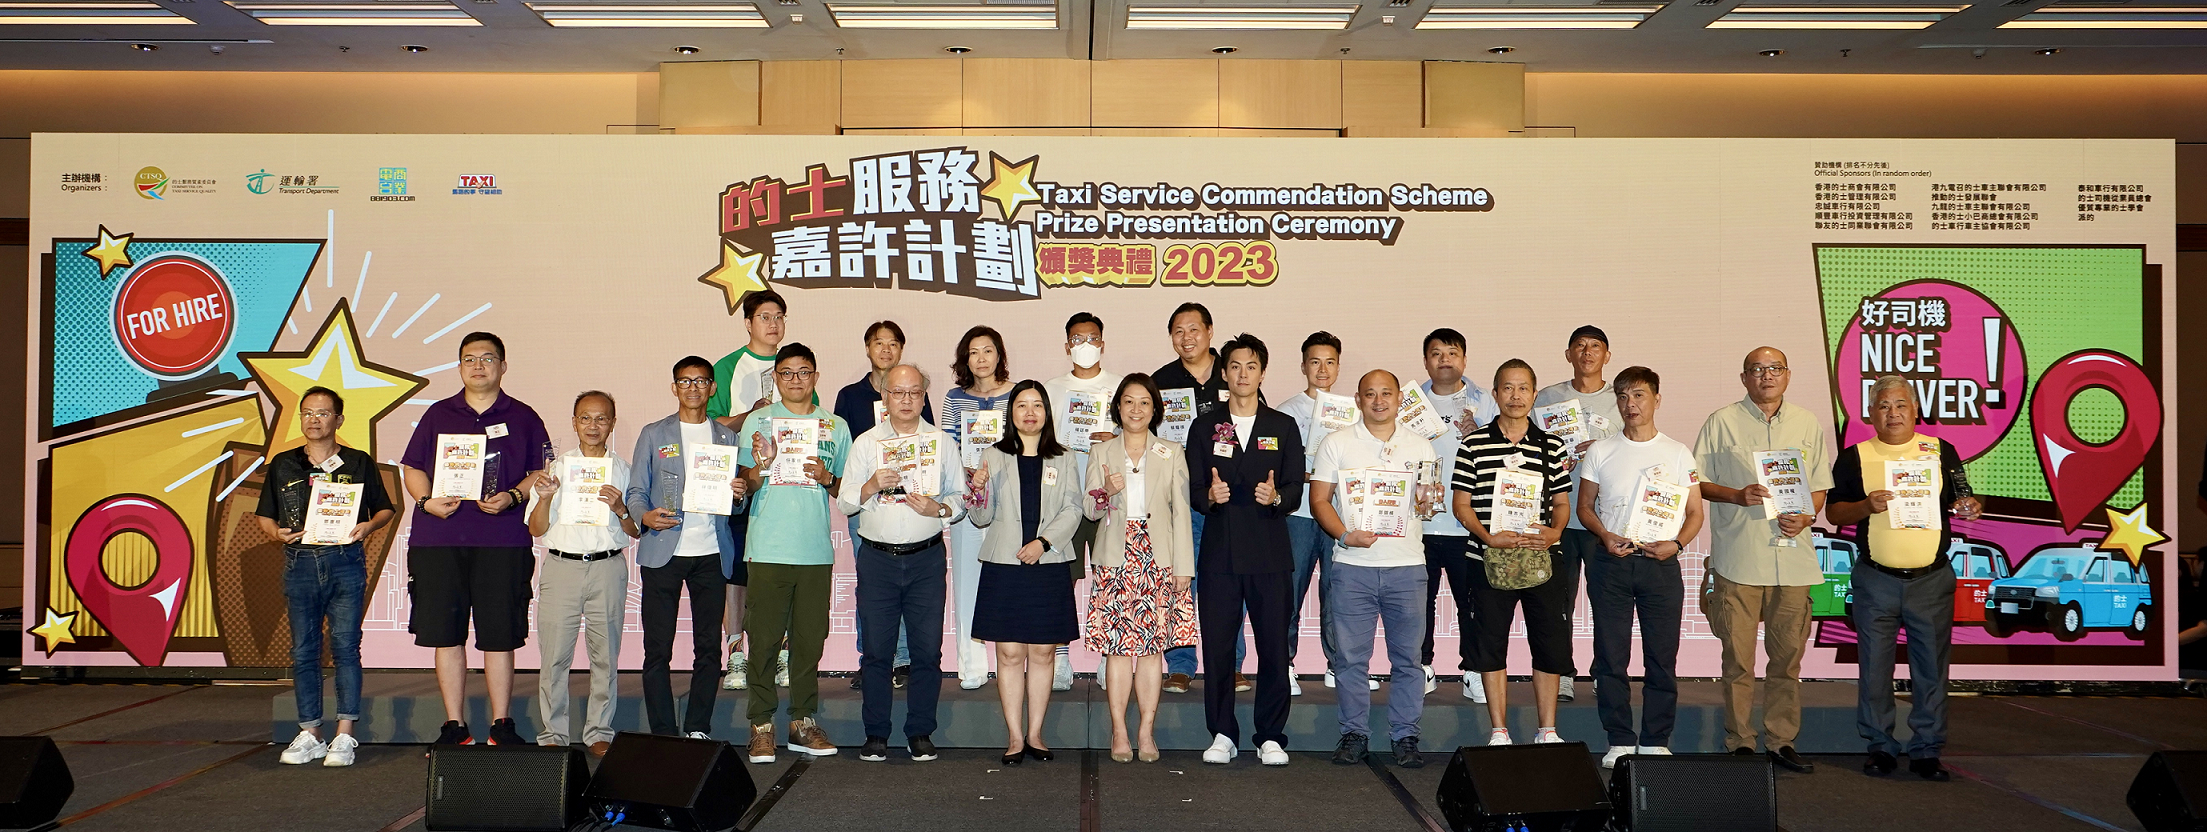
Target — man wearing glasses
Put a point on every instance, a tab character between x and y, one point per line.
790	557
1760	567
680	548
1084	344
860	405
473	556
584	583
901	565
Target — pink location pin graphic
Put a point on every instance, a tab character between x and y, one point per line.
2081	475
142	618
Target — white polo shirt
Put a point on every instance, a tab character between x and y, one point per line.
583	540
1356	448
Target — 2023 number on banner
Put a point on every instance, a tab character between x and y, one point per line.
1221	264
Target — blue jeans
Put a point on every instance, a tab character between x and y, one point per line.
1618	589
325	583
858	622
1363	597
1313	555
1182	659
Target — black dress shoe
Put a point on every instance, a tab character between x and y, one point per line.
1744	751
1015	758
1929	768
858	681
1880	764
1786	756
1040	755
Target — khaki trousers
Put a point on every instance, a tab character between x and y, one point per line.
1734	611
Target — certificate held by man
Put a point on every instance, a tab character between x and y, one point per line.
580	481
978	429
334	509
1391	496
918	461
1516	501
1179	415
459	471
1915	487
1417	414
1658	511
796	442
1780	473
708	472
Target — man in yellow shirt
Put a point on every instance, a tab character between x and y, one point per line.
1900	492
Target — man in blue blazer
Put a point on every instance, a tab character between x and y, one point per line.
682	548
1245	476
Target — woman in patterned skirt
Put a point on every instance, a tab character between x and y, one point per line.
1145	554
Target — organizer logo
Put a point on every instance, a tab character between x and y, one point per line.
152	182
477	184
390	186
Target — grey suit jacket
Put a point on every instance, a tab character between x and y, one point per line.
1165	482
1061	508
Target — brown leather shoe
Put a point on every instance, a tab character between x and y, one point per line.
1177	683
805	736
598	749
761	749
1242	683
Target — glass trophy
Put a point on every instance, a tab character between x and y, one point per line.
293	503
490	475
670	490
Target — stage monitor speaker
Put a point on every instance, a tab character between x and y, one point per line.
1523	788
34	782
674	783
485	788
2170	793
1694	793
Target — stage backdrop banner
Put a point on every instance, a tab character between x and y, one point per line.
189	287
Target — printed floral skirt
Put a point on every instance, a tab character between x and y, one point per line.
1134	611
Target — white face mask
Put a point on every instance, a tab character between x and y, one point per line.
1086	355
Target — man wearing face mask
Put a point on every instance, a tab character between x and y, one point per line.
1082	398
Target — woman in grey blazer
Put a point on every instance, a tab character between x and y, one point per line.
1030	505
1145	558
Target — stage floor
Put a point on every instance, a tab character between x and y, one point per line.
198	758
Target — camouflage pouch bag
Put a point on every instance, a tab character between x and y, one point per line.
1509	569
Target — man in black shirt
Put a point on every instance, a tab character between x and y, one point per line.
326	580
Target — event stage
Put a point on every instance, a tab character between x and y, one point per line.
196	757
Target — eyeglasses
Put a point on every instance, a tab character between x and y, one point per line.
478	360
1078	340
1777	370
794	375
316	414
769	319
907	394
692	382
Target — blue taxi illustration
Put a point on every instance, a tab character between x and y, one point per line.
2068	590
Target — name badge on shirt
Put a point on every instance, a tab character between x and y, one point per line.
1159	449
1516	461
1222	449
495	431
1268	443
329	465
1049	476
1222	395
1599	421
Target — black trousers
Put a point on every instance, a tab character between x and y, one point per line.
1219	608
660	601
1445	557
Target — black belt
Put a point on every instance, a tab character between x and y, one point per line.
586	557
1908	574
902	549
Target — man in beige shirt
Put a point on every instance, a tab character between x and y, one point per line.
1759	569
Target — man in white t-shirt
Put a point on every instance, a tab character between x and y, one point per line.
1463	407
1588	353
1379	566
1629	576
1313	547
1084	344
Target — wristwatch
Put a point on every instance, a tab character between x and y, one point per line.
421	503
942	511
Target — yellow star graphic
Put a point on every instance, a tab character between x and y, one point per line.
56	631
1011	186
112	251
332	359
737	275
2130	533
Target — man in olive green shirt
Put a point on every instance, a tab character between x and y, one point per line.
1752	576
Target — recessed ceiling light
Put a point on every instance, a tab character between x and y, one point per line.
145	47
368	13
957	50
685	50
91	14
415	48
1833	17
945	16
1239	17
585	14
2162	17
1771	53
1501	50
2050	51
1226	50
1538	17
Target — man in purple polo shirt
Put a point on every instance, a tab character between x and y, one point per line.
474	555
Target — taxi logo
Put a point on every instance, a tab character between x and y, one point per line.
477	184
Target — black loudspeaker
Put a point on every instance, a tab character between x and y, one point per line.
2170	794
1523	788
505	789
1694	793
673	783
34	782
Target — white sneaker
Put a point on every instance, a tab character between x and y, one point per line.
1294	685
1563	689
1103	668
1222	750
781	674
305	748
1655	750
1499	736
1062	678
973	682
1475	688
1271	754
1547	736
341	751
1609	758
1329	679
700	735
1371	683
738	676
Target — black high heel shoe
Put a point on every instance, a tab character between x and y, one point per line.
1015	758
1040	755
